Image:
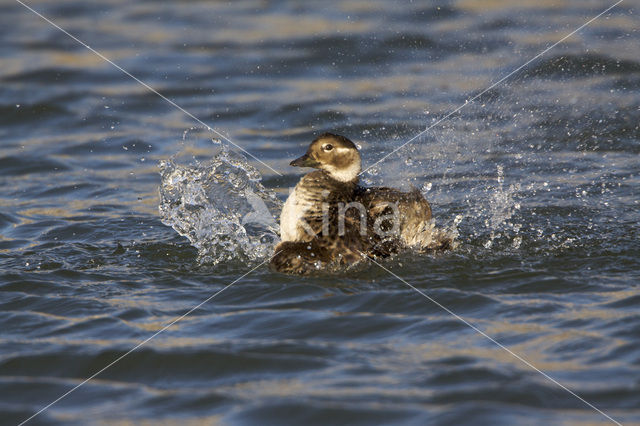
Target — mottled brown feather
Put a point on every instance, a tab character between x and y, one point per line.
322	250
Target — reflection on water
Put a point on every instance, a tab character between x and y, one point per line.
539	176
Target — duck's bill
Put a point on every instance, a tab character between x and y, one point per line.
304	161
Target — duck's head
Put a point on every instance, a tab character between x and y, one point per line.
335	154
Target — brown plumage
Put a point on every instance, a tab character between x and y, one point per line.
330	222
321	242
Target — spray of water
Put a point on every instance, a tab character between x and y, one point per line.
221	206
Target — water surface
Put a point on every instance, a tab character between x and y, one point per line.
539	177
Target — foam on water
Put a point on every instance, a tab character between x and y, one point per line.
221	206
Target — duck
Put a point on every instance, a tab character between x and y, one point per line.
329	221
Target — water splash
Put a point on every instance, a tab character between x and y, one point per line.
221	206
502	207
225	212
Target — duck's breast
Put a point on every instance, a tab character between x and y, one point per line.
292	217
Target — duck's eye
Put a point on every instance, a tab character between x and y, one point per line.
328	147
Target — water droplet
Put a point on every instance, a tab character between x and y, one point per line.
517	241
500	174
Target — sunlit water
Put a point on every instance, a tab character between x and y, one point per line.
538	177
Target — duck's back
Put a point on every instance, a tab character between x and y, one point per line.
409	212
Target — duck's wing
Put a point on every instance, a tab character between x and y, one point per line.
410	204
402	218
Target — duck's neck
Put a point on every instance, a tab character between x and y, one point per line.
343	190
320	186
345	174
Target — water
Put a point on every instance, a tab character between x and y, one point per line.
221	207
539	178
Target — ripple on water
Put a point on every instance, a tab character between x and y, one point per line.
538	176
584	65
25	165
31	113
